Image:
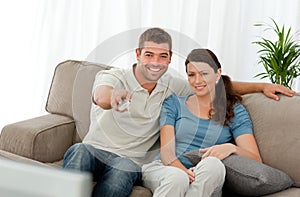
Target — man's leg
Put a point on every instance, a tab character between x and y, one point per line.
115	175
118	179
209	178
167	181
80	157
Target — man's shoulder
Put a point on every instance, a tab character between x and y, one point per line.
176	84
171	76
171	80
113	70
119	73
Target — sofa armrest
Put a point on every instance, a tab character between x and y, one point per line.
45	138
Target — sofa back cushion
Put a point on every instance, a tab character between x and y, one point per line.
60	94
277	131
71	92
82	96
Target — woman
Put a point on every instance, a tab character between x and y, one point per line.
207	120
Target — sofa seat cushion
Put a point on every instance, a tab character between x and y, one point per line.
139	191
291	192
18	158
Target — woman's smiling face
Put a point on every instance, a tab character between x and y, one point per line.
202	78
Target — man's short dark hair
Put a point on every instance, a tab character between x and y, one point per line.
156	35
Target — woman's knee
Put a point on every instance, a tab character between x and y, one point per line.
213	168
165	180
176	178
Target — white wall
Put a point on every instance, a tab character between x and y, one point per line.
38	34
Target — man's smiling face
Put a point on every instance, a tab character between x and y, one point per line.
153	61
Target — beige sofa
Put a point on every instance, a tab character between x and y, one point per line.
44	140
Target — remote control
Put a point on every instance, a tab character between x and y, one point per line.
124	105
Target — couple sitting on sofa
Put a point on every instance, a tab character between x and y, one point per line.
207	119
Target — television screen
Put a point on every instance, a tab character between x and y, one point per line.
26	180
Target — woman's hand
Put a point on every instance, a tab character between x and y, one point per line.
191	174
219	151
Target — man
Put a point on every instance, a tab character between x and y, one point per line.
119	140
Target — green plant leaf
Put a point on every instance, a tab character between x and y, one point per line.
280	58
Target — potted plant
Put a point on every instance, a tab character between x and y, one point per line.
280	58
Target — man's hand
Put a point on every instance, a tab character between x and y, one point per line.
270	91
117	97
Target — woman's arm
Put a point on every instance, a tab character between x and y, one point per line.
167	146
167	150
245	146
268	89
